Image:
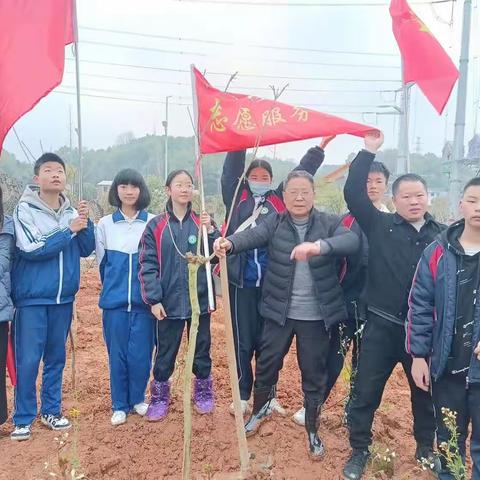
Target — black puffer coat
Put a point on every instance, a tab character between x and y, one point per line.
280	235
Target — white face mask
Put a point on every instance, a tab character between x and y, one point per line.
259	188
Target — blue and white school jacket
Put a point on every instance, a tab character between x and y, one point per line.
46	266
117	240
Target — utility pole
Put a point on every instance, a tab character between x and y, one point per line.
459	135
403	159
165	126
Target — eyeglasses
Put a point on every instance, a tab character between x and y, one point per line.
182	186
299	193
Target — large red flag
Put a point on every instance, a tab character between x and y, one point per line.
33	35
232	121
425	62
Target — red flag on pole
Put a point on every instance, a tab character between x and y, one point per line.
232	121
32	54
425	62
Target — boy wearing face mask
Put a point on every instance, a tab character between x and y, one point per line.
257	200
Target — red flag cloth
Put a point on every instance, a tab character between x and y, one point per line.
425	62
231	121
11	361
32	54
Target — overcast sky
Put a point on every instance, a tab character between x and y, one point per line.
228	36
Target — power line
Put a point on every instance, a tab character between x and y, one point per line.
250	75
239	87
149	49
141	100
122	92
151	35
250	59
290	4
272	47
128	99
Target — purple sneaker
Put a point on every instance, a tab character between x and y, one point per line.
159	401
203	395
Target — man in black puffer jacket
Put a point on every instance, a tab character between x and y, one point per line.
301	296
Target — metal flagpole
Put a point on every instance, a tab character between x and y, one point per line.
459	135
403	159
79	110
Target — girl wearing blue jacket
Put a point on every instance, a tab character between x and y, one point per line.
128	325
7	246
164	280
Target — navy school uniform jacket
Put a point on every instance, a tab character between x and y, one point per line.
7	246
163	273
117	242
248	268
433	306
46	268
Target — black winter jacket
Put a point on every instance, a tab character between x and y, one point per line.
280	235
394	245
244	205
163	273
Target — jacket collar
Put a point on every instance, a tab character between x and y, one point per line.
398	219
117	216
169	209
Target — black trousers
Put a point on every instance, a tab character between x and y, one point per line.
450	391
169	337
3	368
312	352
247	332
383	346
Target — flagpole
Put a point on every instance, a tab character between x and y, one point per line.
208	270
459	135
79	110
403	159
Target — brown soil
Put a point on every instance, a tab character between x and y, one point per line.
141	450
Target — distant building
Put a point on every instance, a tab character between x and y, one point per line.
103	188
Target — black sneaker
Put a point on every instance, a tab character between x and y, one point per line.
428	458
354	468
21	432
55	422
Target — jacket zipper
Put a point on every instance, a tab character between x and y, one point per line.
60	278
129	309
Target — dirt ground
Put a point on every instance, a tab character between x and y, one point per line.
142	450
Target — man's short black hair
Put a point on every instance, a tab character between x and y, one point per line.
379	167
408	177
129	176
47	157
474	182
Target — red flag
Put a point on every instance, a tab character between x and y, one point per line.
11	361
231	121
32	54
425	62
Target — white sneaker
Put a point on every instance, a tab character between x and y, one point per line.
118	418
140	408
276	407
55	422
299	417
245	408
21	432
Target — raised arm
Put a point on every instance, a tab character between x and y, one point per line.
233	168
355	190
311	161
